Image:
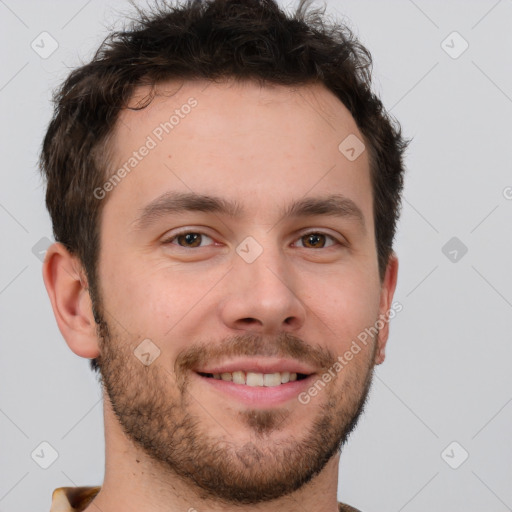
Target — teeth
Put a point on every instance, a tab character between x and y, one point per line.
254	379
257	379
272	379
239	377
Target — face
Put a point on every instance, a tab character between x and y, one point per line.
240	239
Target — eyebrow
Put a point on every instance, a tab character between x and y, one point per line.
334	205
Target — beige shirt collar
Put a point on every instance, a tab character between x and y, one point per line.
76	499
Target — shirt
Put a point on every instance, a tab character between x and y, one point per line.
76	499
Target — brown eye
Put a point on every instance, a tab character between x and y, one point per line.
188	239
315	240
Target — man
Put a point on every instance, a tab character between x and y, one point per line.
224	189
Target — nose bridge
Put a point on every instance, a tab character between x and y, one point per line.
262	262
262	288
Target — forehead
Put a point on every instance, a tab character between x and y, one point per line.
256	143
206	110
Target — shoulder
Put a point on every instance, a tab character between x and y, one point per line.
73	499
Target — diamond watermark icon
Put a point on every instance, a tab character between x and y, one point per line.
351	147
44	45
44	455
40	248
146	352
454	45
454	249
454	455
249	249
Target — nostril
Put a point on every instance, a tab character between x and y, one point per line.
248	320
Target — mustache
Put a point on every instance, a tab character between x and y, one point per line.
283	345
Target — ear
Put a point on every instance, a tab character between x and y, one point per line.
386	297
67	288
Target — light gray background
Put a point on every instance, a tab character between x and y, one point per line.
447	373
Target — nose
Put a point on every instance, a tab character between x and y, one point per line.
262	296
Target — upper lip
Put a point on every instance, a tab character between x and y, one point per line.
259	365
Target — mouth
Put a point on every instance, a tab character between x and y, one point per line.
256	379
256	390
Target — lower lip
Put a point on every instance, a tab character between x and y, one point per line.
262	396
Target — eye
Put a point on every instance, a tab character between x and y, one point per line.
194	239
316	239
188	239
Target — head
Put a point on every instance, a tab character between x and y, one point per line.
218	117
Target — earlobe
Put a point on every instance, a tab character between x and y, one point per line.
386	299
68	292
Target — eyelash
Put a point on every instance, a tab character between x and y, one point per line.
174	237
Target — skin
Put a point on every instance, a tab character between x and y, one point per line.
172	442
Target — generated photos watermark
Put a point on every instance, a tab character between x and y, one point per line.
151	142
343	360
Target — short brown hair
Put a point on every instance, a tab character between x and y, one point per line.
216	39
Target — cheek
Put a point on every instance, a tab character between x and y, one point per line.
157	301
346	307
140	299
